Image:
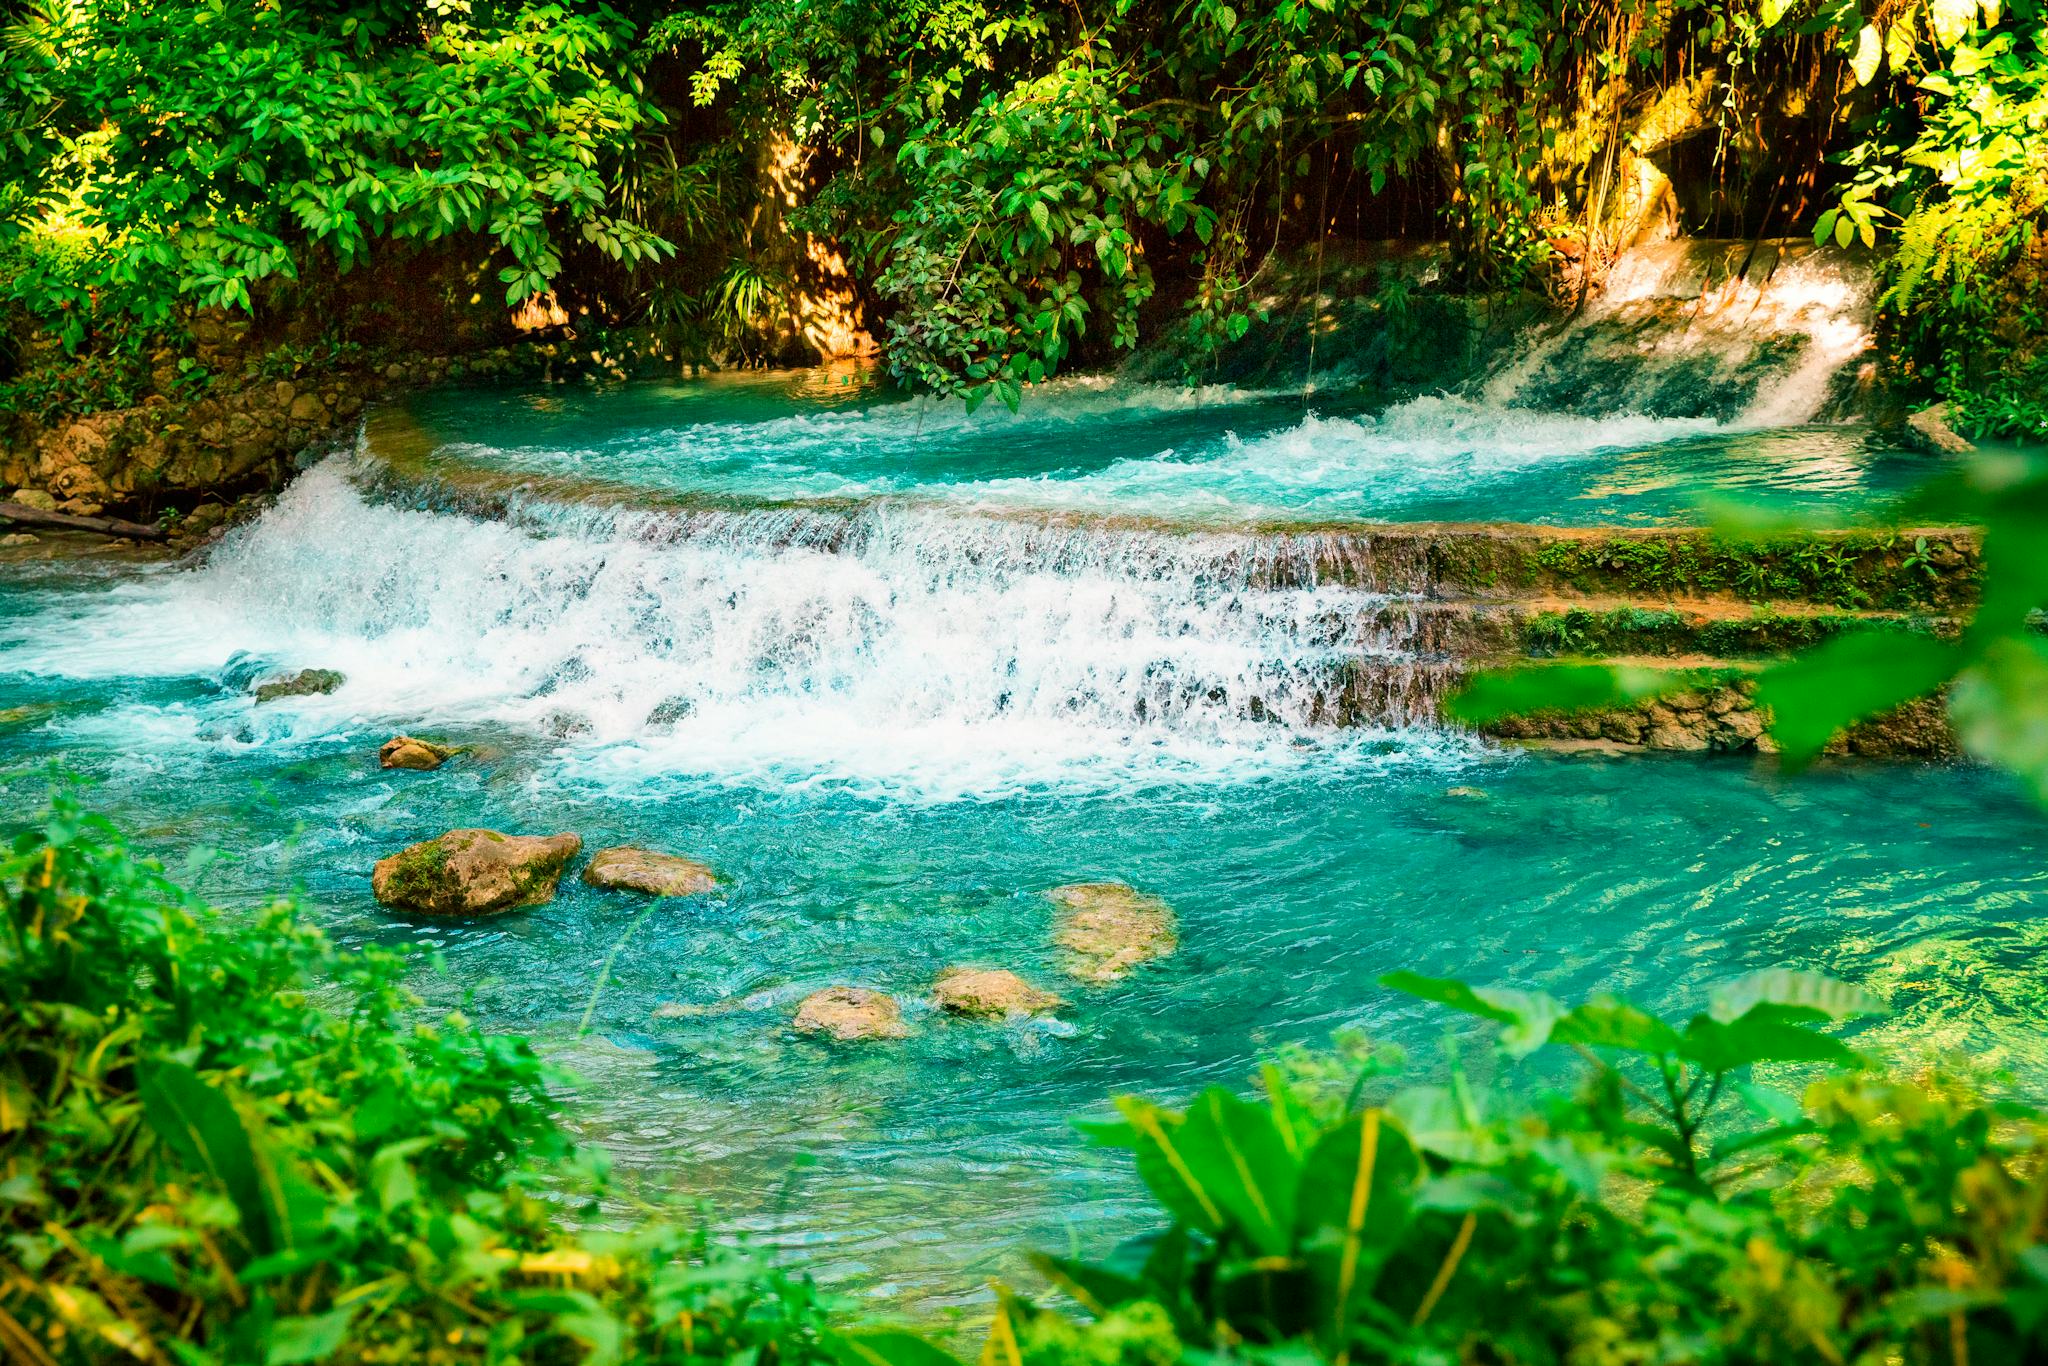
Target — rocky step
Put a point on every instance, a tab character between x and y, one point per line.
1548	625
1718	713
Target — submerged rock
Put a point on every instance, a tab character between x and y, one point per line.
990	993
15	538
304	683
1109	928
632	869
850	1014
474	872
405	751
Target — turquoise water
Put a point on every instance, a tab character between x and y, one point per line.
1108	447
891	730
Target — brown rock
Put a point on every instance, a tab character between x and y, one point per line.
632	869
850	1014
990	993
404	751
474	872
1109	928
1928	430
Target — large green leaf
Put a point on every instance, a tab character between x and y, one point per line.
1437	1121
1846	680
1359	1183
200	1127
1237	1154
1815	991
1605	1022
1528	1015
1092	1287
1765	1033
1164	1168
885	1347
308	1337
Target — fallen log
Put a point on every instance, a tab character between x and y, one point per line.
25	515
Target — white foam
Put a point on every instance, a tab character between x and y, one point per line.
947	653
1372	466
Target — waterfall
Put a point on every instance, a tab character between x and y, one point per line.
1756	334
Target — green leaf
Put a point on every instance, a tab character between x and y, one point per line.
1608	1023
1238	1156
1848	679
885	1347
1869	55
1528	1015
201	1128
1814	991
1093	1288
1165	1169
308	1337
1764	1034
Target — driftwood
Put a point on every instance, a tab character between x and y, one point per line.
64	521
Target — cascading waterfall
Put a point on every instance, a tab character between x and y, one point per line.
885	592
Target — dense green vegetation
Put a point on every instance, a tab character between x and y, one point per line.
1018	184
222	1140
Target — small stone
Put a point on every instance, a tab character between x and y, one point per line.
19	538
404	751
474	872
304	683
990	993
34	498
850	1014
1470	794
81	507
627	868
1109	928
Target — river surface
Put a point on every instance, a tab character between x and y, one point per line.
1025	657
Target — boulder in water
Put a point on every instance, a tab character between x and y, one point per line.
474	872
850	1014
1928	430
631	869
1109	928
990	993
304	683
405	751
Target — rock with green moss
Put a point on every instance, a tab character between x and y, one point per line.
474	872
304	683
631	869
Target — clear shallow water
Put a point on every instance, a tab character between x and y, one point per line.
894	722
1108	447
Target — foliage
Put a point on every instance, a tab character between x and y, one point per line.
1960	166
234	1143
185	155
1678	1207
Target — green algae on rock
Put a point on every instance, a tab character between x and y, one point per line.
304	683
474	872
990	993
629	868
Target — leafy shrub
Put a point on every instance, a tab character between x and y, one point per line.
1675	1208
235	1143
